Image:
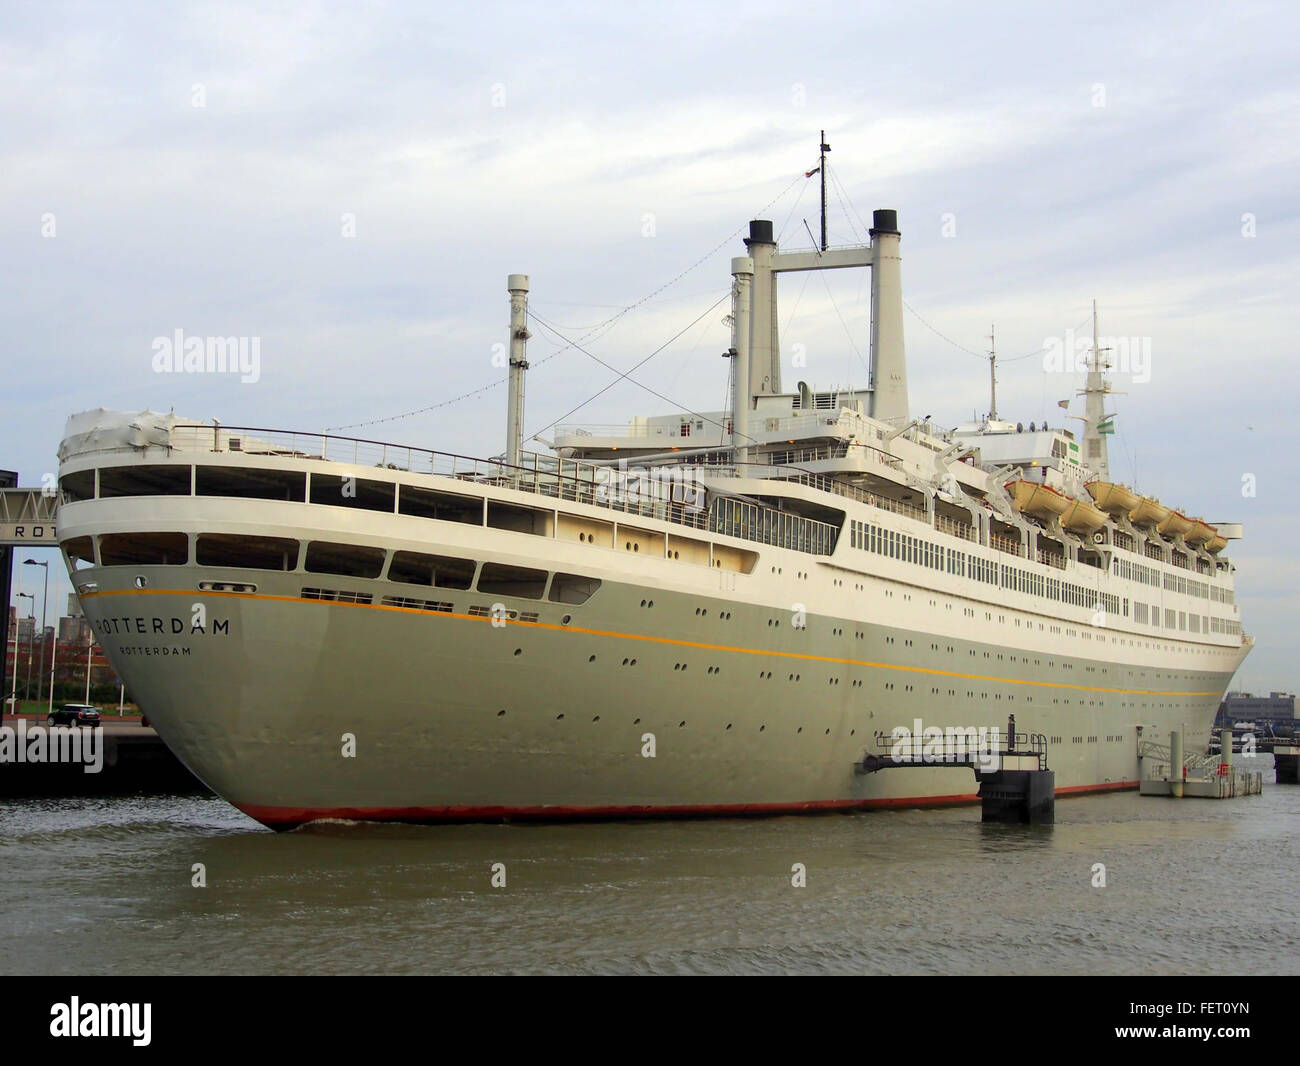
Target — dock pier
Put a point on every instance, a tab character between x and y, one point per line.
1167	771
1015	784
132	758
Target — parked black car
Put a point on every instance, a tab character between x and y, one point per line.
74	714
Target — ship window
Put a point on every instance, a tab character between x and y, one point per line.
349	560
144	481
502	580
571	588
519	519
361	493
80	552
251	553
414	568
250	483
444	506
78	486
144	549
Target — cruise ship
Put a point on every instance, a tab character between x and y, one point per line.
706	613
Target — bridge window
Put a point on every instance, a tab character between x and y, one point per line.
571	588
443	506
78	486
144	481
250	483
80	552
361	493
349	560
519	519
498	579
144	549
414	568
251	553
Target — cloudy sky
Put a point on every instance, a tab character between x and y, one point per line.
351	184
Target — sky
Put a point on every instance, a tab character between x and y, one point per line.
350	185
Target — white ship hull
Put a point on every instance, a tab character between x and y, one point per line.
295	708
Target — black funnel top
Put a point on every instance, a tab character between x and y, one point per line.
883	221
760	230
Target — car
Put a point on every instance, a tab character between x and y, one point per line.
74	714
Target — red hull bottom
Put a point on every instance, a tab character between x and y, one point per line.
290	817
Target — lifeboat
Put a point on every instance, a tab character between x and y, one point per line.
1216	544
1031	498
1200	533
1148	512
1111	498
1175	525
1083	517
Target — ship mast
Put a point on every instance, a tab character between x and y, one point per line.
1096	424
822	167
993	375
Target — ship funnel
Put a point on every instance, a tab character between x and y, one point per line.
888	361
764	349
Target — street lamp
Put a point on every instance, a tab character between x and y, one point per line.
27	688
90	647
44	603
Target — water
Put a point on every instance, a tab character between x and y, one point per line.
103	886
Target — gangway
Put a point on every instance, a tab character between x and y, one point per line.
1015	784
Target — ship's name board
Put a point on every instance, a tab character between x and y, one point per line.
27	533
142	626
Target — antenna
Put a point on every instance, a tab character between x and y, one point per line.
824	149
993	375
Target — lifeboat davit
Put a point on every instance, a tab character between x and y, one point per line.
1200	533
1083	517
1031	498
1112	498
1175	525
1148	512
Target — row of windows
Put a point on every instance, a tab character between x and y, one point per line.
325	557
730	517
921	552
737	518
1187	586
1221	595
1146	575
1190	623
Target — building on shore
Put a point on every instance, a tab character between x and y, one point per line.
1273	711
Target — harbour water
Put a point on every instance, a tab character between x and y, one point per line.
104	886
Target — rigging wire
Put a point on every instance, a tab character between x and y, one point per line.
846	202
624	375
600	327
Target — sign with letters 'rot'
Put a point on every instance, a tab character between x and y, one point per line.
18	534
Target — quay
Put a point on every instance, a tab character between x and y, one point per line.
134	760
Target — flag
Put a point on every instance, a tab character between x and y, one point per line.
1107	425
1063	404
810	173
